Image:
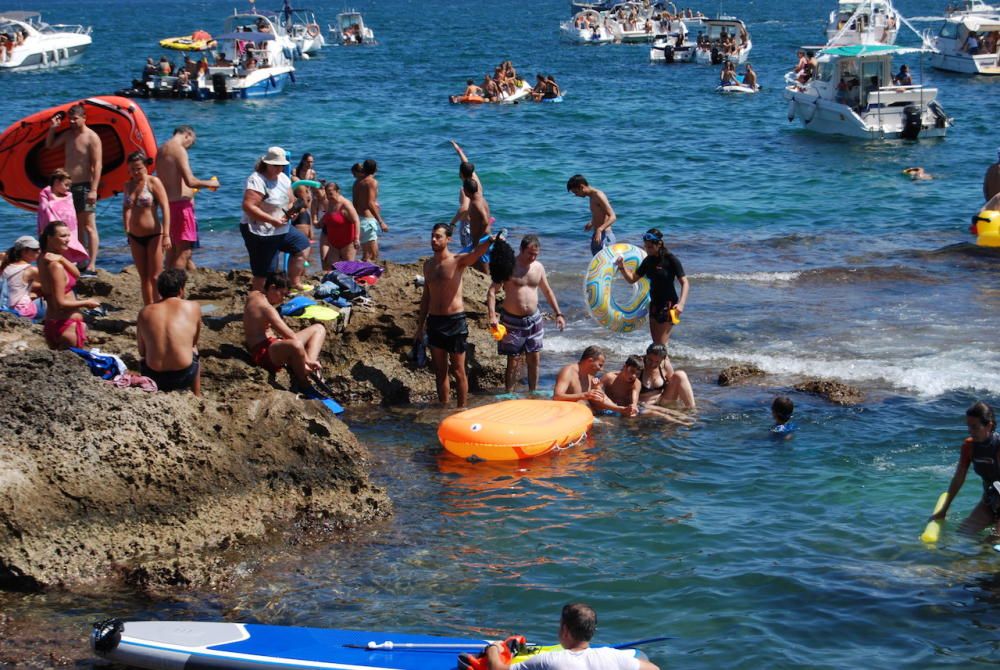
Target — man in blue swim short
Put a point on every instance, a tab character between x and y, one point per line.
519	313
601	213
364	195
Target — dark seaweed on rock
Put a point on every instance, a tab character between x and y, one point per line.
501	262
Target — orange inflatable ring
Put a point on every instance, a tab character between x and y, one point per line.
468	99
25	163
515	429
312	30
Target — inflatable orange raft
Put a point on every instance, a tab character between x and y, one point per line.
467	99
514	429
25	163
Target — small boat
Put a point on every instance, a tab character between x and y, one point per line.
635	22
852	94
972	8
673	48
711	49
351	30
950	51
739	89
863	22
590	27
303	29
40	45
26	164
199	40
257	62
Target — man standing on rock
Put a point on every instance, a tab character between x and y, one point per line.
174	170
261	322
442	311
83	160
168	332
519	313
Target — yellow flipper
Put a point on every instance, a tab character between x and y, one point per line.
319	313
933	530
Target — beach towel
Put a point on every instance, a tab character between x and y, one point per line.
105	366
359	268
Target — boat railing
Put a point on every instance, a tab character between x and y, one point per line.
900	96
65	28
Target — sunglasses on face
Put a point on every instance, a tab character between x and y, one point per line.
652	237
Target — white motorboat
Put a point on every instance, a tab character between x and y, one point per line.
350	29
590	27
972	8
852	93
635	22
522	91
952	45
863	22
673	47
257	63
723	39
303	29
31	44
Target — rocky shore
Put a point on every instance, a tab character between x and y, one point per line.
153	490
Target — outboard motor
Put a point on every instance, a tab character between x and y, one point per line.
219	86
668	54
911	122
106	635
716	56
940	118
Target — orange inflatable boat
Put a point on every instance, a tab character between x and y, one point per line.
25	163
514	429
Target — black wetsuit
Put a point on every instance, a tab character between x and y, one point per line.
986	463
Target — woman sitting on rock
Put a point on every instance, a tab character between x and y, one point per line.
64	325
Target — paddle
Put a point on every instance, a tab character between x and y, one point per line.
389	645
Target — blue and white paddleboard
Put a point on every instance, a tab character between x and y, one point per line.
169	645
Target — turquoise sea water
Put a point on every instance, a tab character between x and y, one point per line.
808	255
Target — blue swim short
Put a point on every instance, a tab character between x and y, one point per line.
369	229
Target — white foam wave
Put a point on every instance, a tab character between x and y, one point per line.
748	277
932	374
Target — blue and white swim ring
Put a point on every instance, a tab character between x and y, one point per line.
619	316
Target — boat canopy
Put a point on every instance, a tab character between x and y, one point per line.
859	50
19	16
981	23
247	37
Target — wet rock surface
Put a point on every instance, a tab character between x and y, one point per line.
835	392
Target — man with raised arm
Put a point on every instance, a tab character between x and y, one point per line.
466	170
520	315
83	160
442	311
174	170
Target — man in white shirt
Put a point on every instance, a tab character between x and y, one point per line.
576	628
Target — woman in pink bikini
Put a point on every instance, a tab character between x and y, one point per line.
342	226
147	233
64	325
55	203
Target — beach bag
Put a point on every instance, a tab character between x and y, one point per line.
348	287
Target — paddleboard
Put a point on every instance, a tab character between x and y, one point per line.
25	163
170	645
514	429
933	530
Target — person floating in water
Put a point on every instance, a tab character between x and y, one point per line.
981	450
782	409
918	174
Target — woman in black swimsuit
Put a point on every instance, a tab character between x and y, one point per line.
981	450
662	269
660	384
147	232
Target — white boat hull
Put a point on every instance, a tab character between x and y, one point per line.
586	35
831	118
987	64
42	52
704	57
667	54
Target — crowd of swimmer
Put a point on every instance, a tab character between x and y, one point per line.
504	83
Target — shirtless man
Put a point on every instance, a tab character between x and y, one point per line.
490	89
271	343
442	311
466	170
364	194
174	171
750	77
622	388
991	180
519	313
479	218
168	332
83	161
601	214
577	382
